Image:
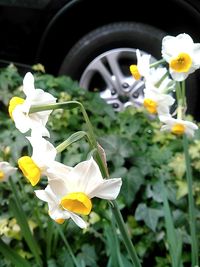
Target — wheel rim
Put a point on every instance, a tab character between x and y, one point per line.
109	75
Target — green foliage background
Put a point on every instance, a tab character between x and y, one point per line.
136	150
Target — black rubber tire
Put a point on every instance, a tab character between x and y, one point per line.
119	35
115	35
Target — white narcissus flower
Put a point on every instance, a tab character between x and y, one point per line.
43	156
56	212
156	102
142	68
6	170
157	76
182	54
74	189
19	108
178	126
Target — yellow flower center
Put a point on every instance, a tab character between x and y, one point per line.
181	63
150	105
178	129
30	170
2	175
60	221
134	71
15	101
77	202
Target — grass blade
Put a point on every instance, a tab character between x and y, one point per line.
18	212
11	255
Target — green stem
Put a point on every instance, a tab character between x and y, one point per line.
192	217
124	232
94	145
157	63
161	80
183	95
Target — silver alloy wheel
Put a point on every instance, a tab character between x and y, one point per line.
109	74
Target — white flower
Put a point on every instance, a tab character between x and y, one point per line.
6	170
178	126
19	108
74	189
157	76
43	157
182	54
142	68
143	63
155	101
56	212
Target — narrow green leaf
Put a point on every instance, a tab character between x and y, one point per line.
174	239
113	245
26	232
18	212
11	255
49	236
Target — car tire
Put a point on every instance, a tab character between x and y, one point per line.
122	35
115	35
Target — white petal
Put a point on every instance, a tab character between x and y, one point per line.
78	220
22	121
46	195
108	189
28	84
58	170
43	151
58	187
85	176
7	169
37	125
42	98
196	57
178	76
58	214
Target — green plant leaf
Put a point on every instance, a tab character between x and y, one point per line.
149	215
11	255
131	183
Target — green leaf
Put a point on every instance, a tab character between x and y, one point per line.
131	183
182	188
116	148
174	238
26	232
154	191
16	207
88	255
11	255
149	215
112	242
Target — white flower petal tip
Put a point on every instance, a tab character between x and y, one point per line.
28	78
